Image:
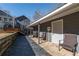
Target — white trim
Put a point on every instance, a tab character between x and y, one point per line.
62	11
52	13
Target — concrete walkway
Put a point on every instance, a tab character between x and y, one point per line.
38	50
20	47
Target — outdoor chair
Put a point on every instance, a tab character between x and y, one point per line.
35	34
69	43
42	35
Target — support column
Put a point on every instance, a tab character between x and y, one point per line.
30	31
38	33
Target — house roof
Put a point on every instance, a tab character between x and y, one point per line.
20	18
57	13
2	13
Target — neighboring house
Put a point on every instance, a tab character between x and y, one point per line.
22	22
6	20
63	20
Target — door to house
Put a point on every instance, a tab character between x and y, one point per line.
57	31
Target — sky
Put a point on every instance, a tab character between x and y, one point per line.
28	9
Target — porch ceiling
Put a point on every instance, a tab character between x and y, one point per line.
56	14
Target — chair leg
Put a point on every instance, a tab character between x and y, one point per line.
74	51
59	48
59	45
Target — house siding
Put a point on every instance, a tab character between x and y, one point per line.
44	26
43	29
57	31
4	22
71	23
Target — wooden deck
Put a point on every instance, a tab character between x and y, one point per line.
51	48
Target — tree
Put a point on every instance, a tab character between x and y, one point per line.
6	11
37	15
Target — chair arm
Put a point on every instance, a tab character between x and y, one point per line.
60	44
76	44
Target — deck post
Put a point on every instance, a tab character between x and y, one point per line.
38	33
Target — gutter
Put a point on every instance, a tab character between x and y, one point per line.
50	14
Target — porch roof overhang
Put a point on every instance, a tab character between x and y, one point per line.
67	9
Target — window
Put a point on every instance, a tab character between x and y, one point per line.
0	19
5	19
10	19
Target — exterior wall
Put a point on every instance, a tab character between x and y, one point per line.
57	31
3	21
43	29
22	23
48	36
52	36
35	30
27	22
44	26
1	25
71	25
